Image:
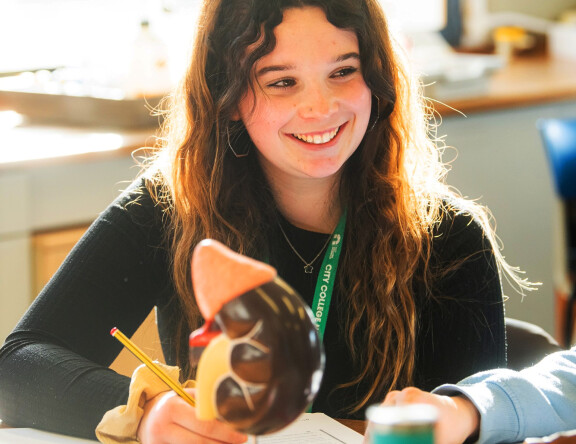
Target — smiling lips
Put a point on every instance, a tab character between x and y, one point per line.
318	138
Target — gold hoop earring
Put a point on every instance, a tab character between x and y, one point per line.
238	156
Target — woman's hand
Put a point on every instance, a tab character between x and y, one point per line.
168	419
458	418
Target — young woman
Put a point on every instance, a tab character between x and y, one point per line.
296	117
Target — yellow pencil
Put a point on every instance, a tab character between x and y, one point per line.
133	348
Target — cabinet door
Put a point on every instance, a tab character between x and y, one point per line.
50	250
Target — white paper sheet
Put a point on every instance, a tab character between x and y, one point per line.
313	428
33	436
310	428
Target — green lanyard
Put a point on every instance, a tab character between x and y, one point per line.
327	277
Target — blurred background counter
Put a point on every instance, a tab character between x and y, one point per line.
533	79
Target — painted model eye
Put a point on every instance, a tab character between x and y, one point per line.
239	403
252	362
265	367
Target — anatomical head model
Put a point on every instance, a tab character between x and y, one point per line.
261	359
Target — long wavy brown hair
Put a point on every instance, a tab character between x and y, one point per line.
393	186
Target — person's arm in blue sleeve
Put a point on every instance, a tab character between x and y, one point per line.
509	405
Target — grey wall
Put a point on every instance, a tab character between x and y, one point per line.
501	162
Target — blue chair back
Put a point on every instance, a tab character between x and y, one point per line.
559	137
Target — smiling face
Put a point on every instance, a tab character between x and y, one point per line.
311	106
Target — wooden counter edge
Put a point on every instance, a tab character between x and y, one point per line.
525	81
355	424
479	105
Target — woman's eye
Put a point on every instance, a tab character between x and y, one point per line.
344	72
284	83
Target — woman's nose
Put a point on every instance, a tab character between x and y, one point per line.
317	102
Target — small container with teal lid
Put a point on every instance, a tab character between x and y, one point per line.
401	424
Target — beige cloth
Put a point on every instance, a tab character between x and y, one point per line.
120	425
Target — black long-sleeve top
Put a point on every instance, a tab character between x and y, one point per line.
54	366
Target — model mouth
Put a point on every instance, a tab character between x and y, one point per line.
318	138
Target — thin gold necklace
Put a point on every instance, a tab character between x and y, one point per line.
308	268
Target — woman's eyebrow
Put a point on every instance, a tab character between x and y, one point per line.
273	68
279	68
348	55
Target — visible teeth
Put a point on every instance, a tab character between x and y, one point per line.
318	138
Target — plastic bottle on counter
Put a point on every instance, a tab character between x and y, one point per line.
148	71
475	24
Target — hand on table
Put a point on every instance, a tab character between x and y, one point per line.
169	419
458	418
